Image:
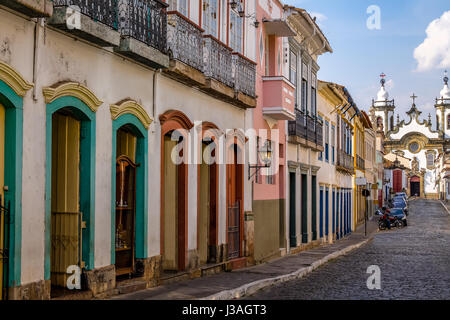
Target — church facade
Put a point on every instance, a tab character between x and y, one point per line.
416	140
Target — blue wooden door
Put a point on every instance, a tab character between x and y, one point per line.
327	209
321	212
334	211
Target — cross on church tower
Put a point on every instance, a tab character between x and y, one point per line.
414	98
383	81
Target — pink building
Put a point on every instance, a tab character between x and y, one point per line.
275	105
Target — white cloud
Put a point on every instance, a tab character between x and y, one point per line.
320	17
434	51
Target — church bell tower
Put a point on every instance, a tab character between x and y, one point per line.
383	108
443	109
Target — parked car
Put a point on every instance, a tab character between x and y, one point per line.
400	203
401	194
399	214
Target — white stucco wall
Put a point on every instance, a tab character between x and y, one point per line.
111	78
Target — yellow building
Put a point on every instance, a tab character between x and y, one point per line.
335	177
361	123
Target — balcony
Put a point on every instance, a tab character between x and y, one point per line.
217	63
360	163
95	21
185	49
278	98
134	28
143	27
306	131
31	8
345	162
244	75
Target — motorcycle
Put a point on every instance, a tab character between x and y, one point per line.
395	223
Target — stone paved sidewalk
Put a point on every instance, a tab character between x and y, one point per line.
228	285
446	205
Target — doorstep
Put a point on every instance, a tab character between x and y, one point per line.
130	285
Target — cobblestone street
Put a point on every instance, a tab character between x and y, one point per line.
414	263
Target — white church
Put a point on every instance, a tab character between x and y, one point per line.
423	147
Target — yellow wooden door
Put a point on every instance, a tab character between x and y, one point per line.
2	182
65	197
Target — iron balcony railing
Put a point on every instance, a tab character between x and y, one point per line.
104	11
144	20
217	60
345	161
360	163
184	40
306	127
244	74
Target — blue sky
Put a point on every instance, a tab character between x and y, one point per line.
360	54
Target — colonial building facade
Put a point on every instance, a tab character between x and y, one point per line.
305	133
415	140
92	108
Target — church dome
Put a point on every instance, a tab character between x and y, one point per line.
445	92
382	97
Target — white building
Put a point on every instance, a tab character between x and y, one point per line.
415	139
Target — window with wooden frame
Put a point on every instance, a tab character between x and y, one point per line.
333	139
304	92
430	159
293	72
209	16
313	95
327	140
236	32
320	153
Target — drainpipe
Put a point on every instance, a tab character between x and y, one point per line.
154	93
36	55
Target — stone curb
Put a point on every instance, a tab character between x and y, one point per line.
251	288
445	207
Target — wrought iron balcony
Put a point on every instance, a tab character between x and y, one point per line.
144	20
184	40
244	74
345	162
217	61
103	11
360	163
306	130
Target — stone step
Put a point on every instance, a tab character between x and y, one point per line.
132	285
167	278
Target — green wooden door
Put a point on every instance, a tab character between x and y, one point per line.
304	208
314	207
292	210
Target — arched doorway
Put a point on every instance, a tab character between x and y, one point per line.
208	195
207	208
129	234
70	181
175	128
13	88
235	195
415	186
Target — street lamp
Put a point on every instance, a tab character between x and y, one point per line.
233	4
265	155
